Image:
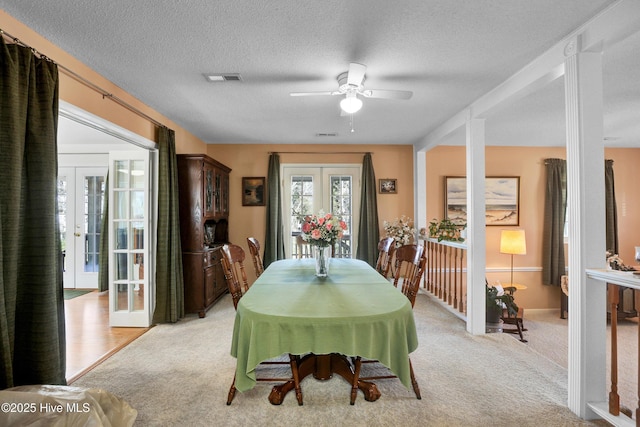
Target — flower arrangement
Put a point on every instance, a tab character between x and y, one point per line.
401	229
446	230
322	229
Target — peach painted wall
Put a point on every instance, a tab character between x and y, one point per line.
528	164
389	161
78	94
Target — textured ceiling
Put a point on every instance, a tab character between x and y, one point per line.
448	52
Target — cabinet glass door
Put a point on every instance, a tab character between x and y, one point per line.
209	191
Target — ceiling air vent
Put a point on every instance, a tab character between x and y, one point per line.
326	134
227	77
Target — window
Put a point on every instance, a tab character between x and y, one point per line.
309	189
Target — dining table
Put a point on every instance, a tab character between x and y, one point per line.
354	311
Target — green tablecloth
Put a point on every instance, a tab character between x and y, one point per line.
354	311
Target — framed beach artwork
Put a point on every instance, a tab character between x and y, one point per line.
502	199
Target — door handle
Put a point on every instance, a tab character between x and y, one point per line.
76	234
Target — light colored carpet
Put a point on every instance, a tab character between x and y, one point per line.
548	335
180	375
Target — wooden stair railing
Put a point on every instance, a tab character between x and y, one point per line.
445	275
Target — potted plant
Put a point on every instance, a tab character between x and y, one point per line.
446	230
497	300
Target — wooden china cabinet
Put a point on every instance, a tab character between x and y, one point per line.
204	219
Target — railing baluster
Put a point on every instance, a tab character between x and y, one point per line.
456	278
447	273
614	398
446	278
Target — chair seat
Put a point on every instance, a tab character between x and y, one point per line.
516	321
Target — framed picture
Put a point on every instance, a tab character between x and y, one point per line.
387	186
253	191
502	200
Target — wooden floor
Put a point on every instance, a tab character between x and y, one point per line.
90	340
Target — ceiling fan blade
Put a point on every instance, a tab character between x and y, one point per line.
356	74
387	94
314	93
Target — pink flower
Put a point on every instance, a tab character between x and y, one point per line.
328	216
320	221
306	227
329	226
316	234
343	225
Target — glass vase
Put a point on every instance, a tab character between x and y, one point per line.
322	255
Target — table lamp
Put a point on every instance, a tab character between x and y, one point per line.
513	242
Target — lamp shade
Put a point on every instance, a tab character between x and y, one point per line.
351	104
513	242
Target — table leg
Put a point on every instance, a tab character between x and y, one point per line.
322	367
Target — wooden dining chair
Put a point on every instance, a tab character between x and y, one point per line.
409	267
233	266
254	249
385	253
410	263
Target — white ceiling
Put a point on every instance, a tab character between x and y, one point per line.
448	52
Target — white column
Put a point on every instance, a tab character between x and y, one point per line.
476	238
420	188
586	195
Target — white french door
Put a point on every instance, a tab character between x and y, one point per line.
81	191
131	237
309	189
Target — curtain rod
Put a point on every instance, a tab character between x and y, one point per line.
320	152
77	77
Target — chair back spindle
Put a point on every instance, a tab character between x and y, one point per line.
409	266
233	267
385	251
254	249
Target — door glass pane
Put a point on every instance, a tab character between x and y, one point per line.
137	229
122	174
120	234
341	201
121	266
137	174
93	195
301	206
122	297
137	204
120	204
62	217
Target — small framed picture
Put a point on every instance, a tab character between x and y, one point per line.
387	186
253	191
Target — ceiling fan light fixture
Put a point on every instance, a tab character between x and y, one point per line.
351	104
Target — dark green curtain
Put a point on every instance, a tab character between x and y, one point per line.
32	324
555	206
274	238
369	232
611	209
169	279
103	266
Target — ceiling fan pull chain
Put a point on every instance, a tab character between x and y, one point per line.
352	123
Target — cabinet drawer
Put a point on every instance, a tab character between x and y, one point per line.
210	258
207	259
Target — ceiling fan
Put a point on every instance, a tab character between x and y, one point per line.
350	84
